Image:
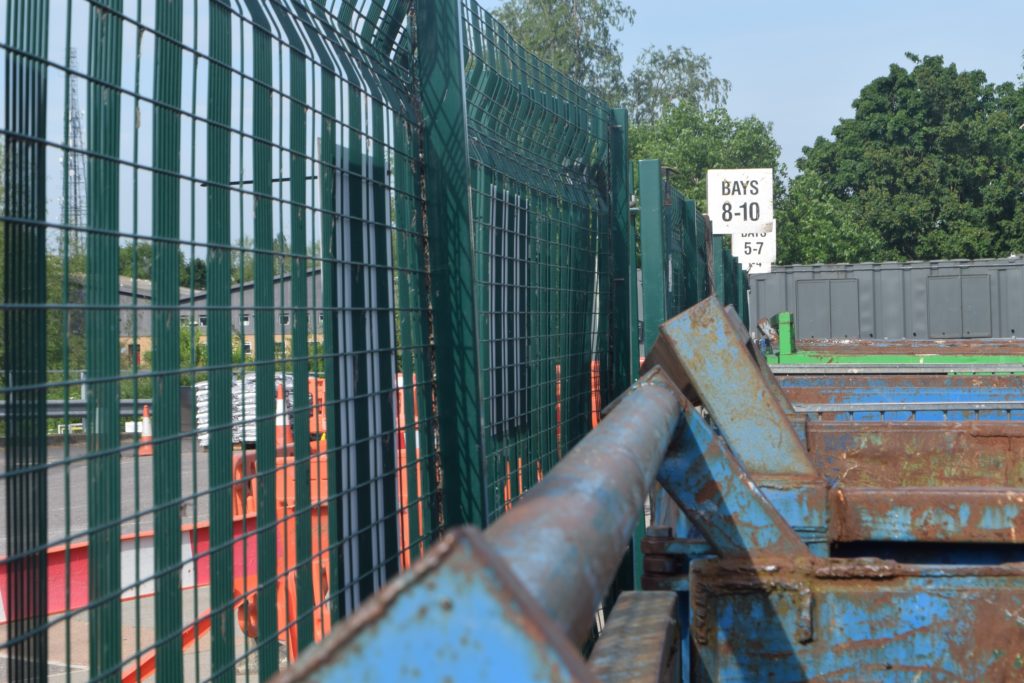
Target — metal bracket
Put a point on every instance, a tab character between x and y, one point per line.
699	348
703	477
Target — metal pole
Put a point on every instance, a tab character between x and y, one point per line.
652	249
565	540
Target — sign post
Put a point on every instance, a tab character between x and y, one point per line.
741	203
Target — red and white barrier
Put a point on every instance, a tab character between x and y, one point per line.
67	566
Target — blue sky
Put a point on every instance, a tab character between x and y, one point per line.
800	63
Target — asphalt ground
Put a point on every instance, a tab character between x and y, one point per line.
67	492
68	642
68	522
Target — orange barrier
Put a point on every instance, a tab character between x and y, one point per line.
506	492
595	392
146	666
244	500
407	467
317	407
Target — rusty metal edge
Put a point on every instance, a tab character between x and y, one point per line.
374	609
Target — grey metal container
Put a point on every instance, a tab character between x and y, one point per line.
961	299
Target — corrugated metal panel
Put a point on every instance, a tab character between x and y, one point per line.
915	300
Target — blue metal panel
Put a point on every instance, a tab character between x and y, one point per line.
900	398
701	342
703	477
458	615
856	620
978	515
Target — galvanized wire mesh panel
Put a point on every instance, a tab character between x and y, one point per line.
539	175
218	425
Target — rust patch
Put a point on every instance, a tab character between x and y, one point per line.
919	454
934	515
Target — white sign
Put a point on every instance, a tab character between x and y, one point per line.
756	251
740	200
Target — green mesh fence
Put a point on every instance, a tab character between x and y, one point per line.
682	261
253	361
539	174
219	427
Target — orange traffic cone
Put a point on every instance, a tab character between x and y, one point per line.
146	439
282	430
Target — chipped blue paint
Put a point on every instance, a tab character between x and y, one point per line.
907	624
459	615
730	385
703	477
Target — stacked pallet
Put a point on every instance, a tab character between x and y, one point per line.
243	408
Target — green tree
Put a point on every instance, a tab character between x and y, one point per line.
690	140
136	260
194	353
817	227
574	36
931	166
662	78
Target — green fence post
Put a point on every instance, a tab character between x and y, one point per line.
382	283
690	248
218	287
624	348
299	319
414	333
330	202
700	256
718	253
263	301
441	71
652	249
624	344
731	279
25	341
102	361
741	292
167	342
677	266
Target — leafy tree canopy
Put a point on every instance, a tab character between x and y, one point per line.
575	37
931	166
665	77
689	140
676	103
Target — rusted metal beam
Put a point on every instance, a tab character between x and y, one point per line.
942	347
927	515
566	537
699	347
855	619
919	454
796	419
703	477
838	388
640	642
893	368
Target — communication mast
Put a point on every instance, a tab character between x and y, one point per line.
74	159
